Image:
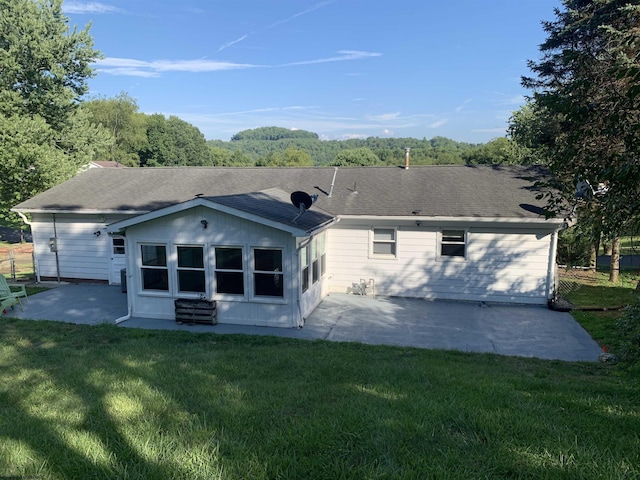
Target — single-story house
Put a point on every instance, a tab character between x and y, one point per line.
233	235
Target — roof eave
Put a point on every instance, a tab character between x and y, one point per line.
453	219
120	226
83	211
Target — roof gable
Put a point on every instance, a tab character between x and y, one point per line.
270	207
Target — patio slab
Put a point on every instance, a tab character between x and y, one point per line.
517	330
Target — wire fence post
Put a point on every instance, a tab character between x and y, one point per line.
12	261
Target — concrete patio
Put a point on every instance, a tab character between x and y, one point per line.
527	331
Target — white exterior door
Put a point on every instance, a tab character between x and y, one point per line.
118	259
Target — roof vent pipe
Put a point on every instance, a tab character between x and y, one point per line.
333	182
406	158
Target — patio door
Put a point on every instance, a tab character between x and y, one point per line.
118	259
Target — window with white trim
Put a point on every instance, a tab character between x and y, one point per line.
229	270
384	242
191	273
155	273
304	268
268	278
322	252
453	243
315	261
118	245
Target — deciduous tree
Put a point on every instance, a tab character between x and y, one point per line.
44	66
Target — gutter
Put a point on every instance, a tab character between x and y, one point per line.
79	211
484	220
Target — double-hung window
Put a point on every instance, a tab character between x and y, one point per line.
315	261
191	273
155	274
322	252
304	268
453	243
384	242
268	279
229	270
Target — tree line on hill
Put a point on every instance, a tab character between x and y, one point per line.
141	140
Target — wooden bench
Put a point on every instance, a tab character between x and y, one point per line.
192	311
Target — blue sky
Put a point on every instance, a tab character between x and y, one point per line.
340	68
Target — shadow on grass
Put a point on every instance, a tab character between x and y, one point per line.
80	402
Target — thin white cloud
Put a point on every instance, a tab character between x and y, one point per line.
385	117
129	72
89	7
299	14
344	55
350	136
328	124
143	68
438	123
233	42
460	107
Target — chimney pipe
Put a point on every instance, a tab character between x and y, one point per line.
406	158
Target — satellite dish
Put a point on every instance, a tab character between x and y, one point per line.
584	190
301	200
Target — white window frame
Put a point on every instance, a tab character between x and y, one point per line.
464	243
177	268
252	272
373	241
315	252
305	269
245	274
167	267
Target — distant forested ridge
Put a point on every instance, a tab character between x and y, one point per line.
272	133
254	147
141	140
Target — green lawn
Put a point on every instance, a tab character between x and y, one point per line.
104	402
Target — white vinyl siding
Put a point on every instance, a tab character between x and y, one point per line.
223	231
81	253
502	265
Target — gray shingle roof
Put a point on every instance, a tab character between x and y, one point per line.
434	191
274	204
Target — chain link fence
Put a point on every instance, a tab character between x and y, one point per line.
17	263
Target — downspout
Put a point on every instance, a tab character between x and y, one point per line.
35	257
551	272
125	318
300	320
55	235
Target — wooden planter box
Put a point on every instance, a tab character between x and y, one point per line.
192	311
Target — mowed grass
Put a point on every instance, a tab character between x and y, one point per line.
105	402
593	291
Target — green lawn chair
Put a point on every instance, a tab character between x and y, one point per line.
9	302
16	291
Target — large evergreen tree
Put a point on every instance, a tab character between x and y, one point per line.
586	95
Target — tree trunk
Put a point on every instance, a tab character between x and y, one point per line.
607	247
614	272
593	255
